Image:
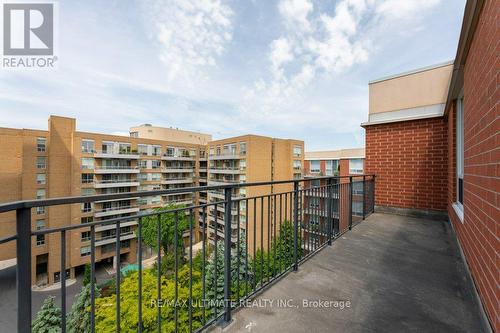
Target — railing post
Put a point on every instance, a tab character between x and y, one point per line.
227	253
296	225
23	271
373	195
364	196
350	202
329	208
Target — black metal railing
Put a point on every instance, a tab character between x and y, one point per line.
269	235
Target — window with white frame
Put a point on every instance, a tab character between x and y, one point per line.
157	150
243	148
41	144
297	151
85	237
85	251
41	162
40	178
143	164
40	210
170	151
460	153
40	193
87	163
87	178
356	166
243	164
315	166
142	149
88	146
331	167
40	239
155	164
297	164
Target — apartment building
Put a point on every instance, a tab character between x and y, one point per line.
64	162
248	159
432	139
343	163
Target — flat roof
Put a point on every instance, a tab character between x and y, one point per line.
413	71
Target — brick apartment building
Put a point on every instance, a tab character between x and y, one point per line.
432	139
251	158
343	163
62	162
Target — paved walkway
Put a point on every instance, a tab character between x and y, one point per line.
399	274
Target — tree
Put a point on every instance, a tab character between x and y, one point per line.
106	313
48	319
79	316
86	275
167	225
214	278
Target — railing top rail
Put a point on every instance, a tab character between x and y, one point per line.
6	207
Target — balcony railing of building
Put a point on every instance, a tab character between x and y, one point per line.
272	238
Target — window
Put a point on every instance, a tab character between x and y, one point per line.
156	176
143	164
170	151
40	210
40	239
124	148
460	154
142	149
41	162
87	191
297	164
87	146
41	144
40	194
156	199
357	208
243	148
40	224
107	147
297	151
217	151
315	166
243	164
243	178
86	207
87	163
157	150
211	153
85	236
134	134
87	178
332	167
243	192
86	219
356	166
156	164
40	178
85	251
142	176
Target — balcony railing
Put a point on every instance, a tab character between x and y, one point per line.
273	238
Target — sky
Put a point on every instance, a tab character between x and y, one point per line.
289	68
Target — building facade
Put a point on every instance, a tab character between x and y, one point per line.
249	159
62	162
341	163
148	131
433	141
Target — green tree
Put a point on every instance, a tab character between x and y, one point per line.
167	225
105	306
48	319
86	275
214	278
79	316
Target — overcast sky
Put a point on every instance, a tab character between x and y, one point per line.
290	68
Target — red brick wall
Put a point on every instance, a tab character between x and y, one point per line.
409	160
479	235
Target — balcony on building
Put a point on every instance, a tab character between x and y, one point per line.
117	169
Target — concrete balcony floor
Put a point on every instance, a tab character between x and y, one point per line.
400	274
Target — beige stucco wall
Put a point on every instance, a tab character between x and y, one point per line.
417	89
170	134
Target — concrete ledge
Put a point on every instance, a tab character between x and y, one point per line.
412	212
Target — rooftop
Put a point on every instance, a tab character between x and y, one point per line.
400	274
335	154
